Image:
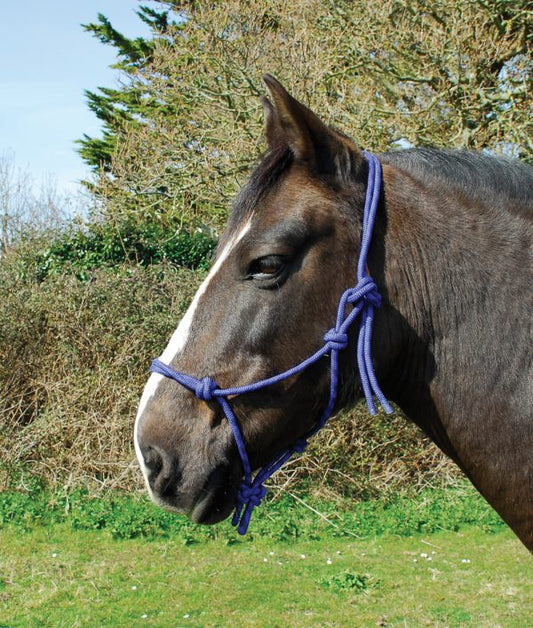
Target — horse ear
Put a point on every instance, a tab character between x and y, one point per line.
273	129
312	142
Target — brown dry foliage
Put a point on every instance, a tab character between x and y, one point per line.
73	362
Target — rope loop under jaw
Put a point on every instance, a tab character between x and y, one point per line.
251	494
364	297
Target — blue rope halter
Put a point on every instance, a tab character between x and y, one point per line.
364	297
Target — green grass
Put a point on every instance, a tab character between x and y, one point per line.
124	516
58	576
437	558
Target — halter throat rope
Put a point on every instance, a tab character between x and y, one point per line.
363	298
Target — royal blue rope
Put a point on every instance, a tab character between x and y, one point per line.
364	298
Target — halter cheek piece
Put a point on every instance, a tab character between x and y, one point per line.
364	297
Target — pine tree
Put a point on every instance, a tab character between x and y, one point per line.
128	105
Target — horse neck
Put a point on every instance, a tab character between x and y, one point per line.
441	284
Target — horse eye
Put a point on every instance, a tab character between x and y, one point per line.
266	267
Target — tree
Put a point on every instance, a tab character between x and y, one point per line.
187	126
27	209
120	108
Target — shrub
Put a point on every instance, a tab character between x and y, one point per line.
83	250
73	359
74	356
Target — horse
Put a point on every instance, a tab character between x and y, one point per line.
442	298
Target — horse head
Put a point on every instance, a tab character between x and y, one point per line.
288	254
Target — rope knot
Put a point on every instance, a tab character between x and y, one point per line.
373	297
300	445
336	340
249	494
367	291
204	389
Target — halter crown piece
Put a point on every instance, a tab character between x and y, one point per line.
364	297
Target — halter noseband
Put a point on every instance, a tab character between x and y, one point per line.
364	297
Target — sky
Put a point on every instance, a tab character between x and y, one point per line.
47	61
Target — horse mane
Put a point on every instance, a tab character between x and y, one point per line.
480	176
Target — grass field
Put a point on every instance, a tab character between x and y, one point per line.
61	577
56	574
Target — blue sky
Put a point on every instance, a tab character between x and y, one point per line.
47	60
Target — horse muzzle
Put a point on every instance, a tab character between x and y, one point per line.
205	497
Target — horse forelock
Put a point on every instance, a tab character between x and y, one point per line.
270	170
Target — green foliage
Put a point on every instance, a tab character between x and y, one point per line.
30	508
82	251
126	517
117	108
347	581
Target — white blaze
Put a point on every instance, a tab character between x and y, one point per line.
179	338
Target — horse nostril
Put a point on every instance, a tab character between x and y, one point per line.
152	459
161	469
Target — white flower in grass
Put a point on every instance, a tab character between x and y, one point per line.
328	561
134	588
